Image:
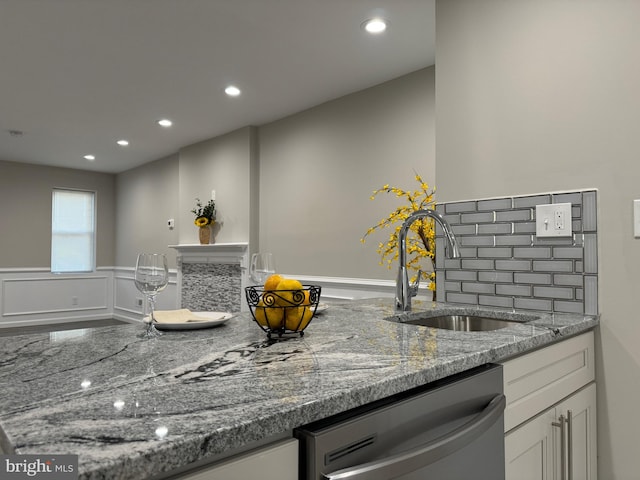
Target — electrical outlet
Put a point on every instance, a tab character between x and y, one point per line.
171	223
139	302
74	301
213	195
553	220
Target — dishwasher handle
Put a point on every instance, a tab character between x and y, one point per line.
430	452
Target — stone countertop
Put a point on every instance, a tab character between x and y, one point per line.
133	408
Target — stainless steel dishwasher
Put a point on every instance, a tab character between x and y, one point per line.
449	430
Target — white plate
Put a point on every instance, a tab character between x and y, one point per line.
321	308
214	319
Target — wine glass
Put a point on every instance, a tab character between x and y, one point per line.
152	276
262	266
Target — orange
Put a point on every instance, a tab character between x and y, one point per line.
271	317
307	300
297	318
287	295
272	282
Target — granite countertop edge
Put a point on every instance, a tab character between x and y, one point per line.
371	348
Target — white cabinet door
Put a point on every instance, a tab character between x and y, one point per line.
580	412
273	462
534	450
529	449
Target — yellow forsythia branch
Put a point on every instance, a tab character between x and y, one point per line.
421	238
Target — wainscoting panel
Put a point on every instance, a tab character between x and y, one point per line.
27	296
128	302
36	296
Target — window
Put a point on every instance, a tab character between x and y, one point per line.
73	231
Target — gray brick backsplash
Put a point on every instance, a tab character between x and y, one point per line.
492	228
531	252
513	265
568	279
465	229
504	264
453	263
462	298
524	227
567	252
514	290
497	204
589	211
457	207
590	253
495	252
531	201
568	307
492	301
591	294
484	217
574	198
495	277
566	241
460	275
553	292
513	240
476	264
453	286
533	304
552	266
487	288
514	215
537	278
476	241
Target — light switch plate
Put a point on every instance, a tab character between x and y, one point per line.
636	218
553	220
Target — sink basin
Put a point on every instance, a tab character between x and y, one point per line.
462	323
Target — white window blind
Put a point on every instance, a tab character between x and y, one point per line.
73	231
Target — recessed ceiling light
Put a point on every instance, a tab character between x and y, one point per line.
232	91
123	143
375	25
90	157
165	122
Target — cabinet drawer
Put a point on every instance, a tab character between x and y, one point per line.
535	381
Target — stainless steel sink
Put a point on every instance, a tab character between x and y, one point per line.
462	323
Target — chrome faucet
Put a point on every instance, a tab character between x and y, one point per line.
404	291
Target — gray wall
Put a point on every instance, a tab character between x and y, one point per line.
25	212
318	169
223	164
542	96
302	183
147	198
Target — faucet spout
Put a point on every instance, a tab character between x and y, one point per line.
404	292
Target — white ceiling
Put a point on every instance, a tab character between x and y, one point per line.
78	75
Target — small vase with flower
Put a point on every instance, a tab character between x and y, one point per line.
205	219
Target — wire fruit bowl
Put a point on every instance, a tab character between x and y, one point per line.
283	312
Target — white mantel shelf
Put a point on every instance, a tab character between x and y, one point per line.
213	253
213	247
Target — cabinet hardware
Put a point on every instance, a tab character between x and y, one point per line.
569	421
563	457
